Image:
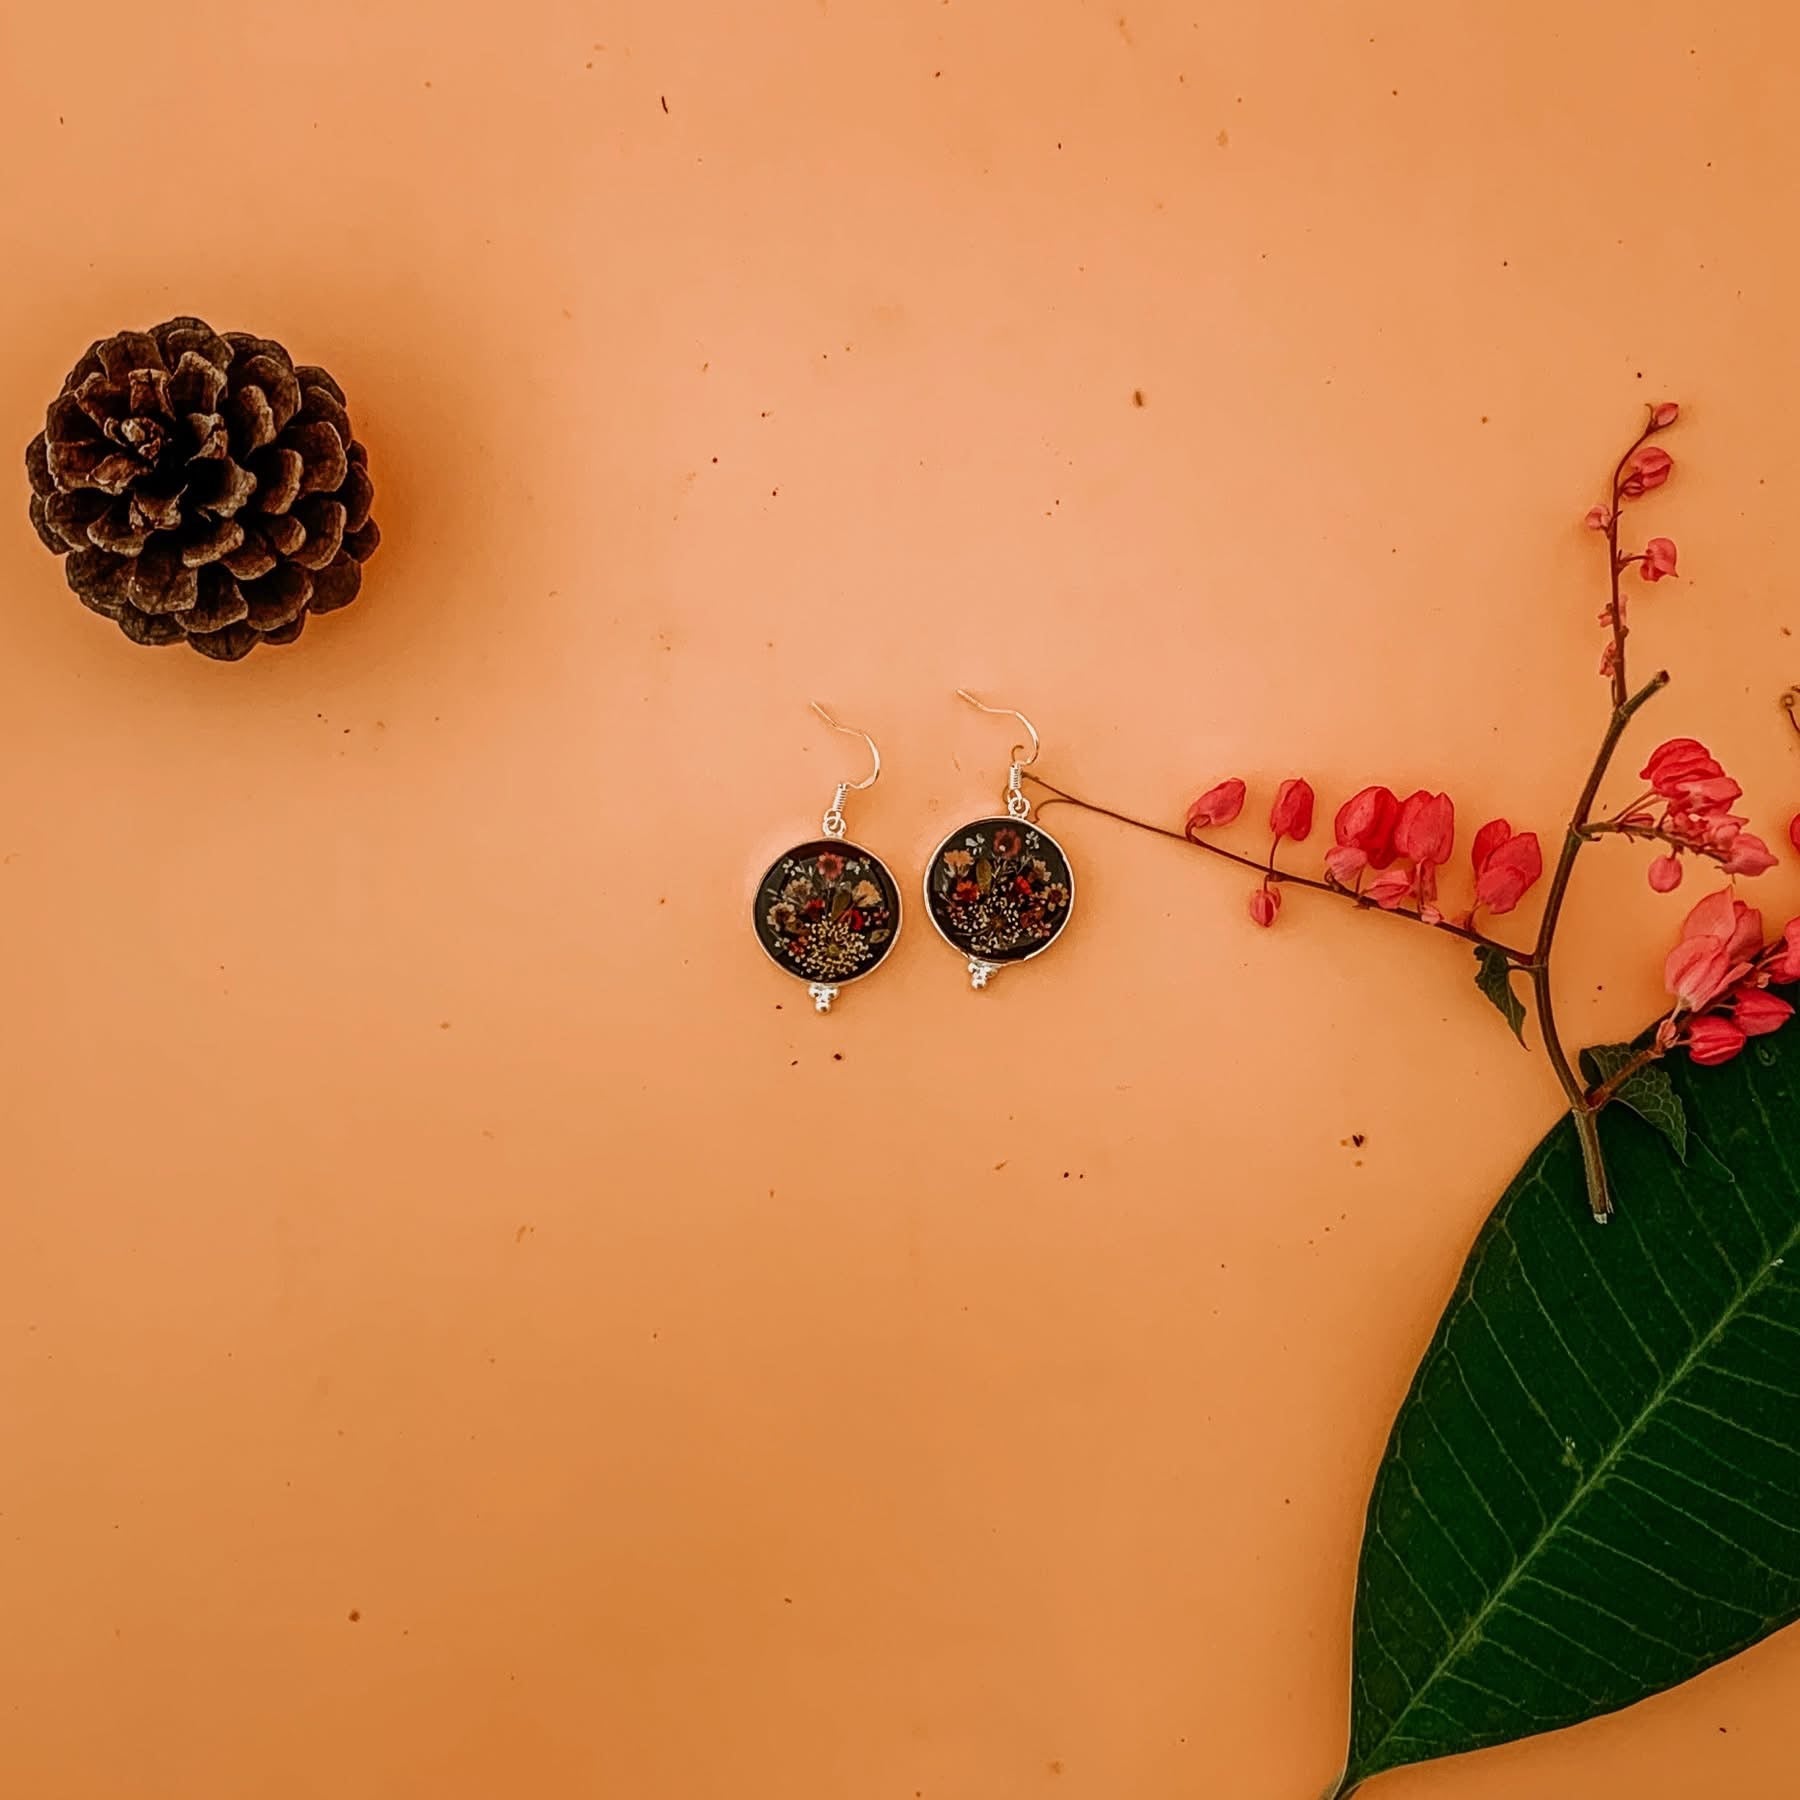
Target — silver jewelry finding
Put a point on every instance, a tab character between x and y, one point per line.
1000	889
828	911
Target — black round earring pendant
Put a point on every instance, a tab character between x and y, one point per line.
999	891
828	912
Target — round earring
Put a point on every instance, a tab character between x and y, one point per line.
1000	889
828	911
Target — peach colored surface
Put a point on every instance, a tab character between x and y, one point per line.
468	1328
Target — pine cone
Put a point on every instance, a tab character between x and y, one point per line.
203	487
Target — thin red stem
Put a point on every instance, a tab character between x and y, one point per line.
1608	1089
1647	834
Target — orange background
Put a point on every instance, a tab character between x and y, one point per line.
469	1329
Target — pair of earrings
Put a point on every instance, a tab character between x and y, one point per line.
999	889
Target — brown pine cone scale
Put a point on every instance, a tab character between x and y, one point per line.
203	487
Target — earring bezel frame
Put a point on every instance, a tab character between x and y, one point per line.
981	967
811	848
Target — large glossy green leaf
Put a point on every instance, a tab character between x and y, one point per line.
1592	1491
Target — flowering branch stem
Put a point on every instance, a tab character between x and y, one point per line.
1615	611
1058	797
1582	1108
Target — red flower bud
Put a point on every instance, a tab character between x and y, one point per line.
1714	1039
1265	903
1217	806
1794	831
1426	829
1747	854
1489	839
1721	938
1678	758
1292	814
1684	770
1507	863
1757	1011
1663	416
1665	873
1598	518
1387	891
1648	468
1659	559
1366	822
1784	963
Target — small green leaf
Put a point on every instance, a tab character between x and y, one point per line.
840	903
1493	975
1647	1091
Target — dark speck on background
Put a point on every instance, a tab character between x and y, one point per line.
1137	396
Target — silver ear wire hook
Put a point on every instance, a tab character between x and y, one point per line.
1009	712
833	823
1017	803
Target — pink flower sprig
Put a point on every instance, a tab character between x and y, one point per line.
1375	827
1390	854
1222	804
1688	810
1290	817
1719	973
1406	842
1424	836
1641	470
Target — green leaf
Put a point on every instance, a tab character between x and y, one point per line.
1493	975
1592	1491
1647	1091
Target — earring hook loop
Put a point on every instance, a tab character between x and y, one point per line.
1019	759
874	774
